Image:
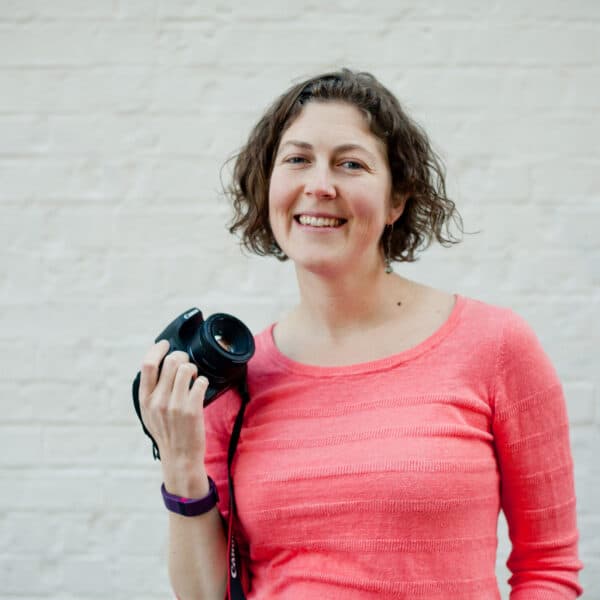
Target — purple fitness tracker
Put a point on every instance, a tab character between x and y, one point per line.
191	507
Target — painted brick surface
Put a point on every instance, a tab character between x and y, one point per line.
115	119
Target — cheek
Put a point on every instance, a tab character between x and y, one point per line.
279	203
370	208
278	191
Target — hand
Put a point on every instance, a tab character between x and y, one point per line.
174	414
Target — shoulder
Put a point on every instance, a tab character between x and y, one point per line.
510	330
522	368
476	316
501	331
486	313
516	338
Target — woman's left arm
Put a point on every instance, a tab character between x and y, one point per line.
531	433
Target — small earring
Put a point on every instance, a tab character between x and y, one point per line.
388	249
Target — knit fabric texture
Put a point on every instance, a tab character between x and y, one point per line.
385	479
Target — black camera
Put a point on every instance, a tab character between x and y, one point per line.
219	346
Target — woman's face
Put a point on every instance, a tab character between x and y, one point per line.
330	190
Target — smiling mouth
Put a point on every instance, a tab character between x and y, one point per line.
319	221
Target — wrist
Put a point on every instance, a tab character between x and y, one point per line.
187	482
191	507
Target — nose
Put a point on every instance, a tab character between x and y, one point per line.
320	184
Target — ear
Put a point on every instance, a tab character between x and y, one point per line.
398	203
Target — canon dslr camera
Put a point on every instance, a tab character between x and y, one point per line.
219	346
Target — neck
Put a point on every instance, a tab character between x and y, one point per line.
332	306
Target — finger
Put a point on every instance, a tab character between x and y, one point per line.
198	391
181	386
170	365
149	370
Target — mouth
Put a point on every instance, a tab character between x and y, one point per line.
319	221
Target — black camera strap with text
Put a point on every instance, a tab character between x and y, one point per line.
234	588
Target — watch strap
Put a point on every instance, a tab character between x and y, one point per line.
191	507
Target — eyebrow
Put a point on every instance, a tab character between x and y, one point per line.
340	148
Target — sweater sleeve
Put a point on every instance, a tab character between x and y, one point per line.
218	423
531	433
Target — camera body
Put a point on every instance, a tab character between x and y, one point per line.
219	346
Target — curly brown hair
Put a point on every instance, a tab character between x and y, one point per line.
417	172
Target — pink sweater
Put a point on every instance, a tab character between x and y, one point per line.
385	479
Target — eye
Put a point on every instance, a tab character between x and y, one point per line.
295	160
352	165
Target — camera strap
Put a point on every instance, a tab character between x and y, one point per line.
235	590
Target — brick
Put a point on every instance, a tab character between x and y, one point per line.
78	10
59	44
66	180
21	278
186	10
586	10
566	181
180	88
200	135
476	182
238	93
584	444
526	226
15	10
90	489
113	534
505	91
58	90
192	230
178	178
81	445
43	531
21	445
66	402
89	576
131	576
580	399
23	136
16	358
143	536
525	136
137	10
590	544
105	135
521	45
564	329
588	577
135	490
27	575
15	236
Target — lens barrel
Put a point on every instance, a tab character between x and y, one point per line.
222	346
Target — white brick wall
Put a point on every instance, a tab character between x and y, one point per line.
115	117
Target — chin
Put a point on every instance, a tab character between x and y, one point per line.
321	265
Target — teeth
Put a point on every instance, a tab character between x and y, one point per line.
319	221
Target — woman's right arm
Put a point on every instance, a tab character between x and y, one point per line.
174	415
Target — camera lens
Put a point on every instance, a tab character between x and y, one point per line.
222	346
225	344
231	335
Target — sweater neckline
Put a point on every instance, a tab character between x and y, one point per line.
375	365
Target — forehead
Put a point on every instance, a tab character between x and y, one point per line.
334	123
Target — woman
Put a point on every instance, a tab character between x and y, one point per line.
388	421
